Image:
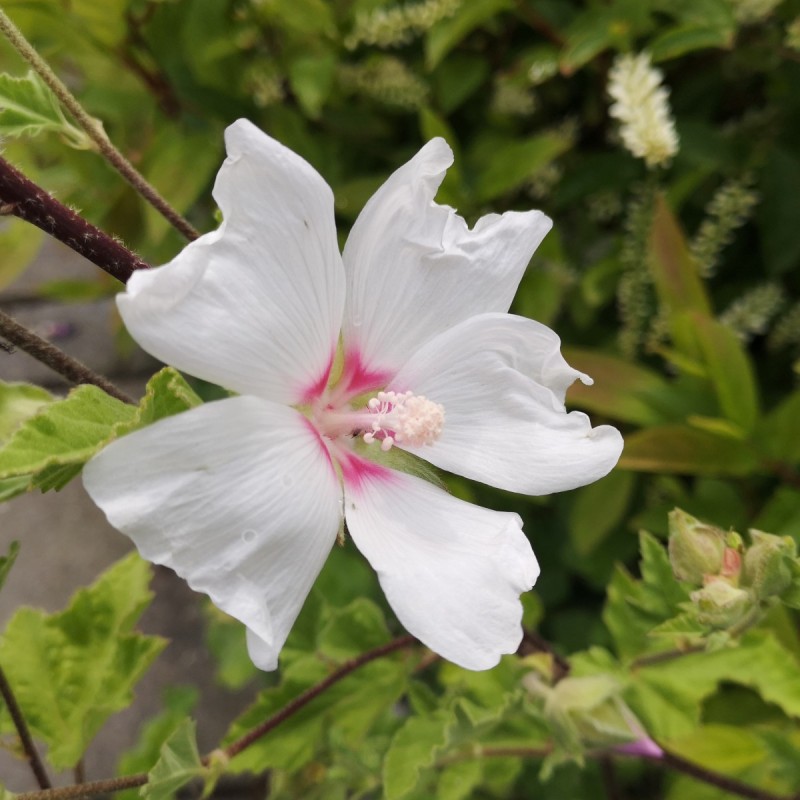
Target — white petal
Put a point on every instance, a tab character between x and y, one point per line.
238	497
501	380
255	306
452	571
415	269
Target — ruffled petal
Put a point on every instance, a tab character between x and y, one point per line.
415	269
255	306
502	380
452	571
238	497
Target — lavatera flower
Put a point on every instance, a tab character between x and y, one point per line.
401	343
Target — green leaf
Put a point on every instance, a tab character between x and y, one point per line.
730	371
778	434
6	562
18	401
181	164
72	670
635	607
178	764
64	433
347	711
12	487
722	748
621	390
167	393
777	212
612	494
414	748
5	794
675	275
460	780
503	165
53	445
301	16
19	244
312	77
178	702
27	107
679	449
668	696
447	33
457	78
591	33
352	630
688	38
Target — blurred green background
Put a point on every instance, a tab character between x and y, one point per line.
676	288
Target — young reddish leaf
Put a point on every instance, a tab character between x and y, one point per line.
683	450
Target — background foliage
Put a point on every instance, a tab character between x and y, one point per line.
676	289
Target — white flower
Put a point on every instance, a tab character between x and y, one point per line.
642	106
401	340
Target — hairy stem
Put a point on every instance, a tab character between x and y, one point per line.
70	368
704	775
32	754
665	655
665	758
315	691
94	130
86	789
21	197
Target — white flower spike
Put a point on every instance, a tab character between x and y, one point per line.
641	104
243	497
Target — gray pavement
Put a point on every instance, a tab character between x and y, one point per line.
66	542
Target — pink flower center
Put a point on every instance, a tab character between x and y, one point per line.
388	418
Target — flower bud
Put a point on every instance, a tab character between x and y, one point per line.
695	549
721	605
767	563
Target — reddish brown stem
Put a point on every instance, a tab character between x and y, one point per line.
31	753
310	694
21	197
70	368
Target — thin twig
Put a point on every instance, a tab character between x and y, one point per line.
94	130
666	655
32	754
86	789
609	778
132	781
70	368
665	758
22	198
310	694
740	789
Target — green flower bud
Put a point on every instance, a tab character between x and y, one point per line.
695	549
767	563
721	605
